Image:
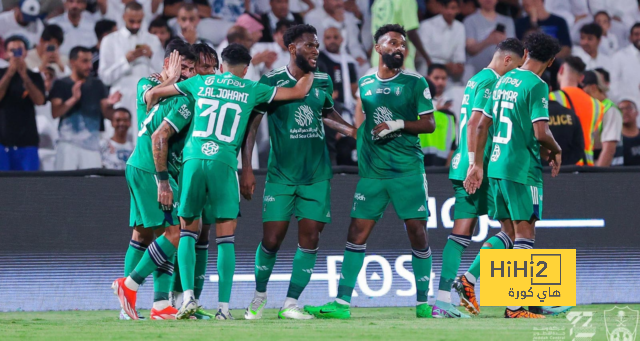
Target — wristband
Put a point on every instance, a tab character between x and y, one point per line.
472	158
164	175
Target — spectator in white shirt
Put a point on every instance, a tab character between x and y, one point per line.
279	11
608	42
333	14
77	28
277	46
187	25
128	55
570	10
625	76
116	150
443	36
23	21
115	9
588	50
47	52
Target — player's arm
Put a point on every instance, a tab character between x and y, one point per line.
160	147
546	140
425	124
472	133
476	168
166	88
332	119
297	92
247	179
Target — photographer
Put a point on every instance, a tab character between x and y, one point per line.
47	52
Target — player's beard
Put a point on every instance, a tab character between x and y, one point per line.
303	64
390	60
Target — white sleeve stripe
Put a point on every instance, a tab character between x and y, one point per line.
540	119
488	115
166	119
144	99
180	91
426	112
273	95
477	109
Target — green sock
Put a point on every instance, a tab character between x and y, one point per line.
303	264
421	264
156	255
202	257
175	279
500	241
265	260
162	278
451	257
351	266
226	267
133	256
187	258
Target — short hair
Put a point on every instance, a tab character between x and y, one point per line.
602	13
446	2
435	67
284	23
389	28
183	48
52	32
76	50
592	29
575	63
159	22
236	54
236	33
16	37
133	6
188	7
206	50
636	25
605	74
296	31
512	45
541	47
103	27
125	110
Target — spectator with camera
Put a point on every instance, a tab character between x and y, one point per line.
20	91
80	101
47	52
23	20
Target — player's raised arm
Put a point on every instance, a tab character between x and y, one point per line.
247	179
170	77
334	120
297	92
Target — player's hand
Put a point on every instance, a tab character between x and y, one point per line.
174	68
165	195
247	183
555	160
307	81
385	128
474	178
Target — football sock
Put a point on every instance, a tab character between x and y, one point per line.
226	267
158	253
176	286
265	260
451	257
187	260
523	243
224	307
303	263
162	277
202	256
351	265
500	241
135	251
421	264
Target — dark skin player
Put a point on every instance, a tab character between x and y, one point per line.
303	53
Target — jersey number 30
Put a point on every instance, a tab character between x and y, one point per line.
497	138
216	119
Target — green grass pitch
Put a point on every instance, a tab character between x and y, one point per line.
397	324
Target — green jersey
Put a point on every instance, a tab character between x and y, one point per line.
144	85
519	99
177	112
223	105
476	95
298	154
405	96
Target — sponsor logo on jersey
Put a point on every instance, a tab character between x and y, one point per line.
382	114
210	80
367	81
304	115
210	148
269	198
456	161
184	111
359	196
487	93
317	91
471	84
422	209
282	82
368	93
426	93
509	80
230	82
545	103
496	153
385	91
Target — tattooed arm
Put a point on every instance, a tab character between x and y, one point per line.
334	120
160	147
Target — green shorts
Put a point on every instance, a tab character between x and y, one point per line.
472	205
145	209
311	201
409	196
209	185
516	201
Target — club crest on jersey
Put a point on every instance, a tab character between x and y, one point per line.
210	148
426	93
398	91
304	115
496	153
456	161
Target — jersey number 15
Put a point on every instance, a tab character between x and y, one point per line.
497	138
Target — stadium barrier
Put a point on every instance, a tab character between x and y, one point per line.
63	237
